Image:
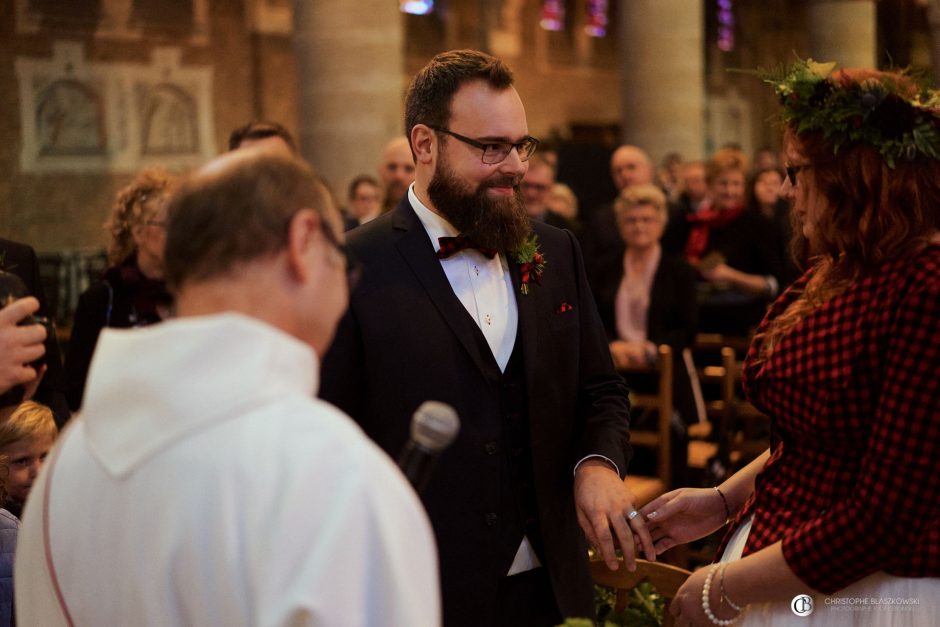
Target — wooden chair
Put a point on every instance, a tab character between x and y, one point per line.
730	415
667	580
646	488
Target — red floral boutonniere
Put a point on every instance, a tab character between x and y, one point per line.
531	262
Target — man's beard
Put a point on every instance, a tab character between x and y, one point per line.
500	223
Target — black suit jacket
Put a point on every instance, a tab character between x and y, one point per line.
407	338
20	259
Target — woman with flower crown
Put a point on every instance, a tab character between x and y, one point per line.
838	523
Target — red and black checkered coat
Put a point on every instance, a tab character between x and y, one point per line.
852	485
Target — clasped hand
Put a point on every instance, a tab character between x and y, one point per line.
604	505
678	517
683	515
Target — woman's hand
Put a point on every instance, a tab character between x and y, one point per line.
687	604
683	515
627	354
720	273
723	274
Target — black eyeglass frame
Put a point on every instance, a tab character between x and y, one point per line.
526	148
353	265
793	170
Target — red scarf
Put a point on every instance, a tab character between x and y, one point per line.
703	221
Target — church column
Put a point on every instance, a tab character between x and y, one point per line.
662	76
933	20
350	66
843	31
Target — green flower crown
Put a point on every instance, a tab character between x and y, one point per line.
874	110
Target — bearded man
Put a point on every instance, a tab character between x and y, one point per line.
464	300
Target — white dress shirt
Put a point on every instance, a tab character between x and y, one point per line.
483	285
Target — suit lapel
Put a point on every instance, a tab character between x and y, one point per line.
418	252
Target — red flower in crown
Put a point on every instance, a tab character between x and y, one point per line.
531	263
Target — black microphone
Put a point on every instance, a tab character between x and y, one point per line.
433	427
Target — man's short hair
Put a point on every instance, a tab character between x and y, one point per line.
236	210
259	129
433	87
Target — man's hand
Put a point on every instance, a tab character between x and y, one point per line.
19	346
604	505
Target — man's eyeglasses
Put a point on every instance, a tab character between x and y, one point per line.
496	152
353	266
793	170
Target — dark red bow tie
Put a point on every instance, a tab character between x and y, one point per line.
452	245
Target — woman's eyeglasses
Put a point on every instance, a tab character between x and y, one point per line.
793	170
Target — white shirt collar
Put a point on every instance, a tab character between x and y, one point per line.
435	225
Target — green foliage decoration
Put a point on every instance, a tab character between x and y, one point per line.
900	122
645	608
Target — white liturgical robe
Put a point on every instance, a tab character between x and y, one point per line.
203	484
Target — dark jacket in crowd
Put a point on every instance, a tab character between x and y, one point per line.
20	259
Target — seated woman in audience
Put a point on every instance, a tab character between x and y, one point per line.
732	249
652	300
132	292
25	439
846	502
764	198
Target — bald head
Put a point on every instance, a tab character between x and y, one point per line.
630	166
397	169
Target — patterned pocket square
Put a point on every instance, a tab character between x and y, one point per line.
562	308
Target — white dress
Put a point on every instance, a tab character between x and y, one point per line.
879	600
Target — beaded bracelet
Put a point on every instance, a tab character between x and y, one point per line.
724	595
706	602
725	501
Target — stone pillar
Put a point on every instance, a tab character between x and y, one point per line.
662	76
350	66
843	31
933	20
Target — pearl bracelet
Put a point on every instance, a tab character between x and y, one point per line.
706	602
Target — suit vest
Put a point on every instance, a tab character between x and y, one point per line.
518	510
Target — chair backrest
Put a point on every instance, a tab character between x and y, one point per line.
661	402
667	580
731	414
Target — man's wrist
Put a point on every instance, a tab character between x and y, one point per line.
596	461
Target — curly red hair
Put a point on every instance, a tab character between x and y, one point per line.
874	213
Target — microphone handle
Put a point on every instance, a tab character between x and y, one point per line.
417	464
